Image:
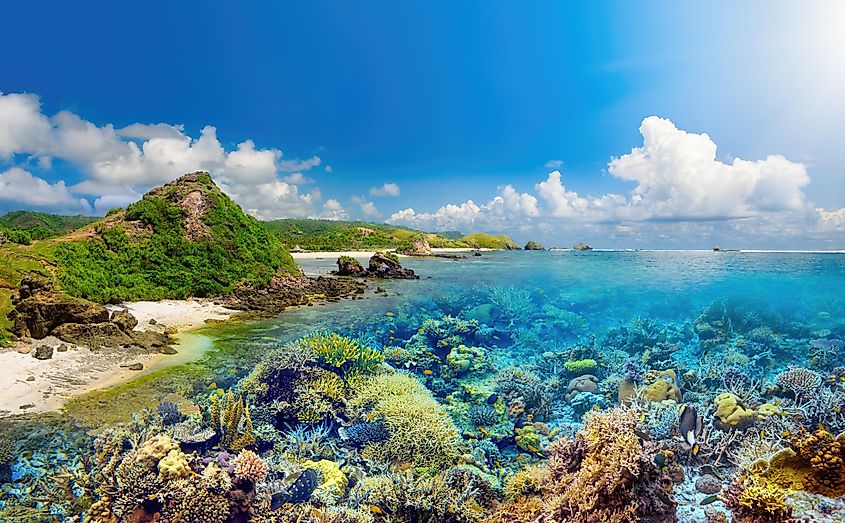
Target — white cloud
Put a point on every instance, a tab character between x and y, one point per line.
368	208
22	126
299	165
120	164
328	169
388	189
682	193
333	210
679	177
21	187
554	164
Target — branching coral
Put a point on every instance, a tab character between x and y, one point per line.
753	499
421	433
230	417
606	474
825	454
799	381
344	354
250	467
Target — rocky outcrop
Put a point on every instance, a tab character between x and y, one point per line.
349	266
289	291
534	246
43	352
385	265
418	247
40	312
582	247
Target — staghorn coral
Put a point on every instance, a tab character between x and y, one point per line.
421	432
250	467
526	481
799	381
230	418
346	355
753	499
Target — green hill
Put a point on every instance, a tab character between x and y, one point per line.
24	226
332	235
186	238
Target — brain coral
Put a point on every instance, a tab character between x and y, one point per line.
421	432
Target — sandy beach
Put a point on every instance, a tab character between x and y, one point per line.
32	385
366	254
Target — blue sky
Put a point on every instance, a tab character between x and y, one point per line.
471	104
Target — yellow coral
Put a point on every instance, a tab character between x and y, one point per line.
344	353
174	466
664	387
761	499
731	413
155	448
526	481
421	432
529	438
333	481
231	418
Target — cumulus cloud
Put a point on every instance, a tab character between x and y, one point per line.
22	187
388	189
333	210
120	164
681	190
367	207
500	213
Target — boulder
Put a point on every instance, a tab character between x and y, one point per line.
534	246
43	352
31	285
92	335
385	265
349	266
582	247
39	314
419	247
124	320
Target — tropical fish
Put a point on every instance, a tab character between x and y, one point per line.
710	499
300	490
690	425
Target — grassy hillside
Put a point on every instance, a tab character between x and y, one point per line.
186	238
40	225
330	235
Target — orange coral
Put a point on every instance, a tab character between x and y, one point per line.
825	454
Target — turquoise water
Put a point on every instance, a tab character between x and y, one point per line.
467	325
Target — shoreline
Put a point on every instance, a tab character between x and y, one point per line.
317	255
33	386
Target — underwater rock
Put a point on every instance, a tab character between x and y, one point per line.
708	484
534	246
43	352
585	383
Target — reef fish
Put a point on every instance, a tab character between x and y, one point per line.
299	491
690	425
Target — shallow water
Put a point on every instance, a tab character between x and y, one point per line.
661	307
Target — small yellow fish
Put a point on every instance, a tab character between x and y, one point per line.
428	372
420	330
232	371
388	314
213	385
596	408
391	331
375	509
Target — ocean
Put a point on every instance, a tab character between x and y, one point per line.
517	350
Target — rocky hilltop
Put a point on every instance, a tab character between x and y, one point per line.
184	239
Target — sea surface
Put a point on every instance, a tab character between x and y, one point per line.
661	308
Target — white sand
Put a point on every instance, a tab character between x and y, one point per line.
79	370
366	254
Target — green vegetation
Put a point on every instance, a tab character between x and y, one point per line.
40	225
489	241
330	235
147	252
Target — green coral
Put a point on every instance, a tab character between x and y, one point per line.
230	417
530	439
584	366
344	354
